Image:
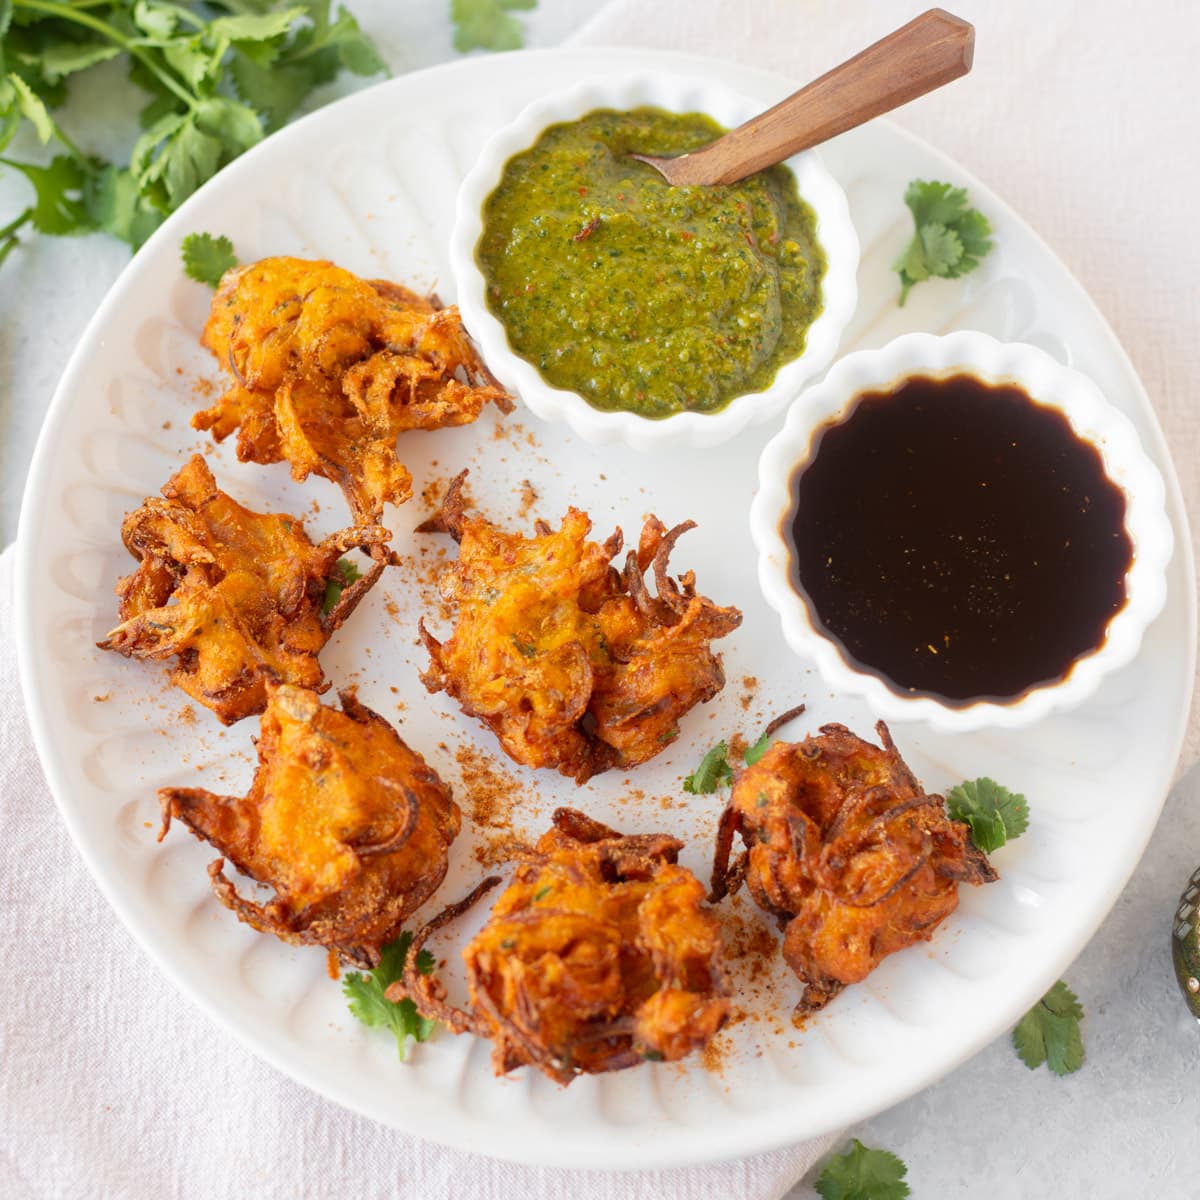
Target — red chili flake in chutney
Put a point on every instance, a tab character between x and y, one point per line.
958	539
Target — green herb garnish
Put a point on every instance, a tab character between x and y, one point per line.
217	76
754	753
994	814
365	994
344	574
863	1174
207	258
1049	1032
713	772
486	24
949	240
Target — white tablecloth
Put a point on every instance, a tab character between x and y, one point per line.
112	1086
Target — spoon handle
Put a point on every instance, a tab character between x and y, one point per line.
929	51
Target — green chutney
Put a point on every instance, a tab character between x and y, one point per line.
640	296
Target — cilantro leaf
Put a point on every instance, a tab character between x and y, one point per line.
206	259
179	152
975	234
58	208
1049	1032
219	74
994	814
344	574
367	1002
253	27
356	52
276	87
863	1174
63	58
949	240
486	24
115	206
358	55
31	107
155	20
713	771
935	203
755	752
234	125
276	91
189	157
940	249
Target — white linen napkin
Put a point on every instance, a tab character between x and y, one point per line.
113	1087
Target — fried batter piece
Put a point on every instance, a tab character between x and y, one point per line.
572	664
847	851
234	595
349	825
330	368
599	954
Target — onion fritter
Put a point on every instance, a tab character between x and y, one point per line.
349	825
235	595
330	368
570	663
847	851
600	953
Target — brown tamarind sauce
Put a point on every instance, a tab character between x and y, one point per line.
958	539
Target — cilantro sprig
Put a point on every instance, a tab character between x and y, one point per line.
863	1174
487	24
715	771
950	238
753	753
344	574
365	994
217	77
995	815
207	258
1049	1032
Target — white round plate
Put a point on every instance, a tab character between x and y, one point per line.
370	183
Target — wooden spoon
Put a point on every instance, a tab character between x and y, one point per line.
930	50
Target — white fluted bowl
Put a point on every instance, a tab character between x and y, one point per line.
817	187
1092	418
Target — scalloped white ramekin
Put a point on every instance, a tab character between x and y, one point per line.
835	232
1051	384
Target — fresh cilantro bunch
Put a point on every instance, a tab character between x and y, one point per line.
995	815
1049	1032
218	76
863	1174
365	994
950	237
